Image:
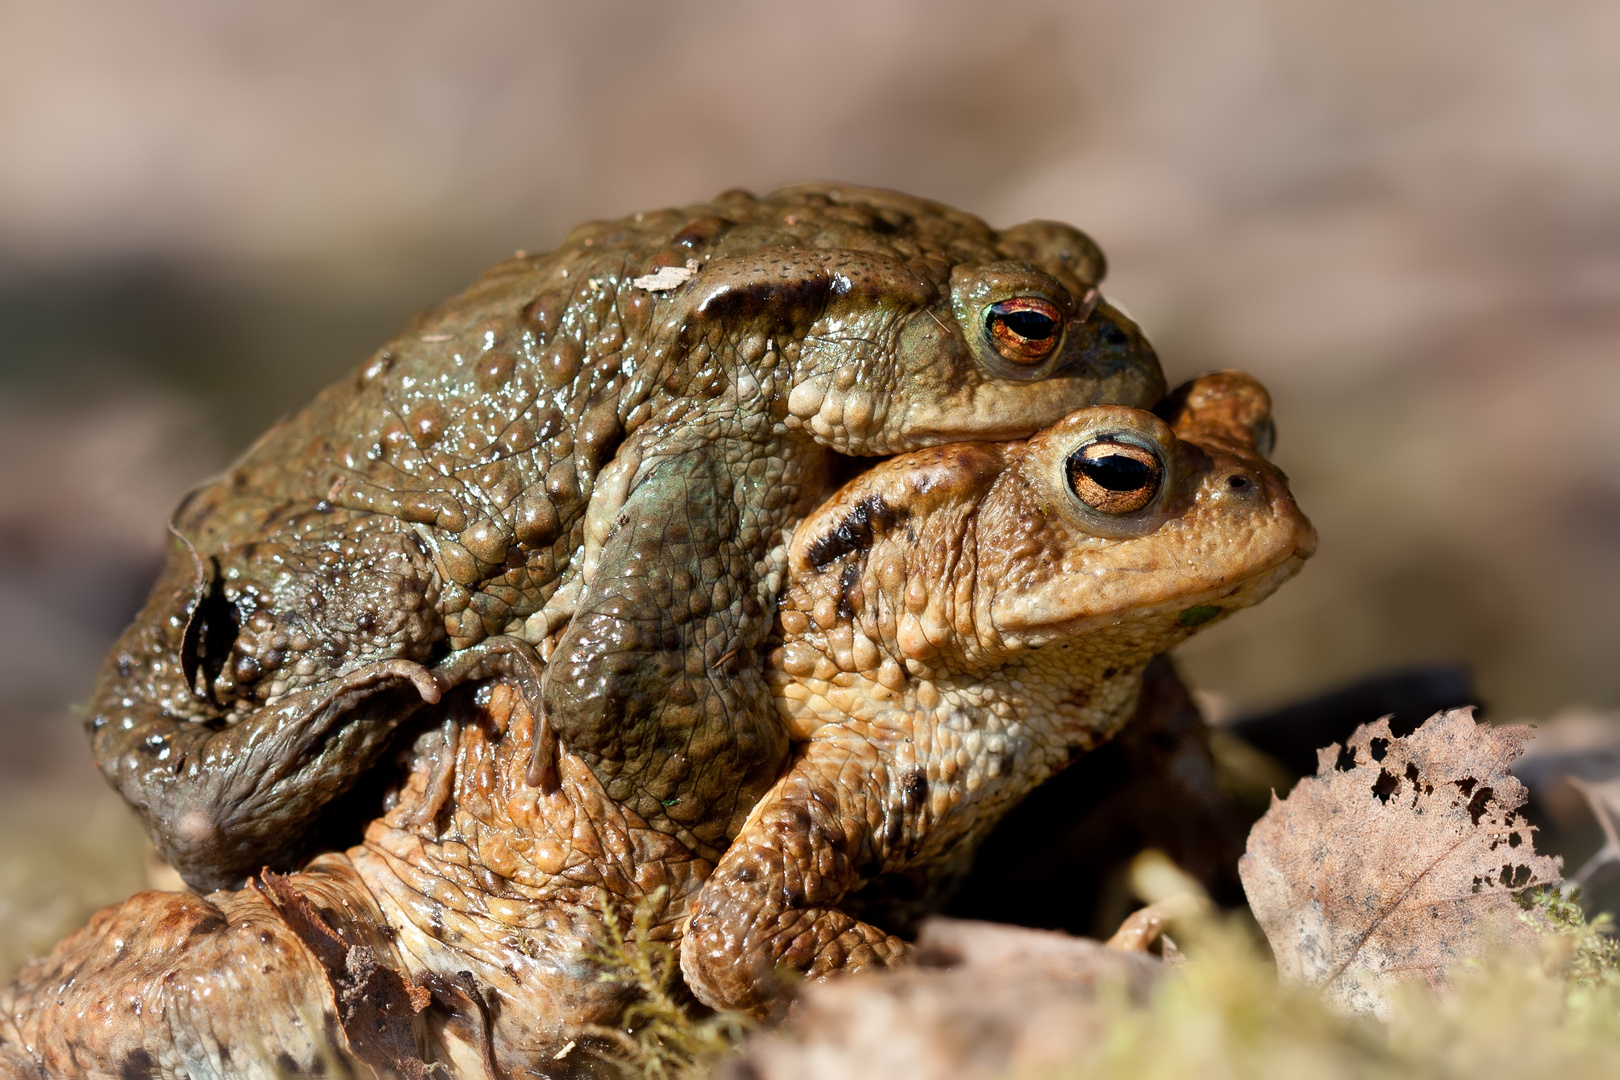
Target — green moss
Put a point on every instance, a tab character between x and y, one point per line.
664	1034
1549	1012
1555	1012
1591	955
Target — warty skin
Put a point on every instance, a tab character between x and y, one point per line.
1016	626
959	626
580	474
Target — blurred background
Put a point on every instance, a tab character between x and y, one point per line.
1404	218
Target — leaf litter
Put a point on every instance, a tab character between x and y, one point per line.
1404	867
1399	859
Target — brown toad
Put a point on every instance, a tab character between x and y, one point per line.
957	624
960	624
579	474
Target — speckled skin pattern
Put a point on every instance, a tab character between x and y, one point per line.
959	625
936	655
578	474
955	627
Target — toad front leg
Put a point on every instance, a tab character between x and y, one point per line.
657	682
773	900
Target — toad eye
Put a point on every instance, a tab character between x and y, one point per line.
1114	477
1024	330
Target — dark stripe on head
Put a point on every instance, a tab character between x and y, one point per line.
855	534
794	300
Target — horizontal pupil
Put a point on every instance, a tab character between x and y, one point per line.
1116	472
1029	324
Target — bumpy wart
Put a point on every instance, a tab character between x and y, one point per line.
579	474
960	623
956	624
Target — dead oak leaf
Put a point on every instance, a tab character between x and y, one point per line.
1399	858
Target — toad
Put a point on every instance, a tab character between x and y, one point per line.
579	474
957	624
960	624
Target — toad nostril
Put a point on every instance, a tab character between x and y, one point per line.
1237	482
1115	336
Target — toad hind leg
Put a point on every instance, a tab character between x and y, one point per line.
773	899
657	684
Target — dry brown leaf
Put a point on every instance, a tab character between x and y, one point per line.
1398	859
